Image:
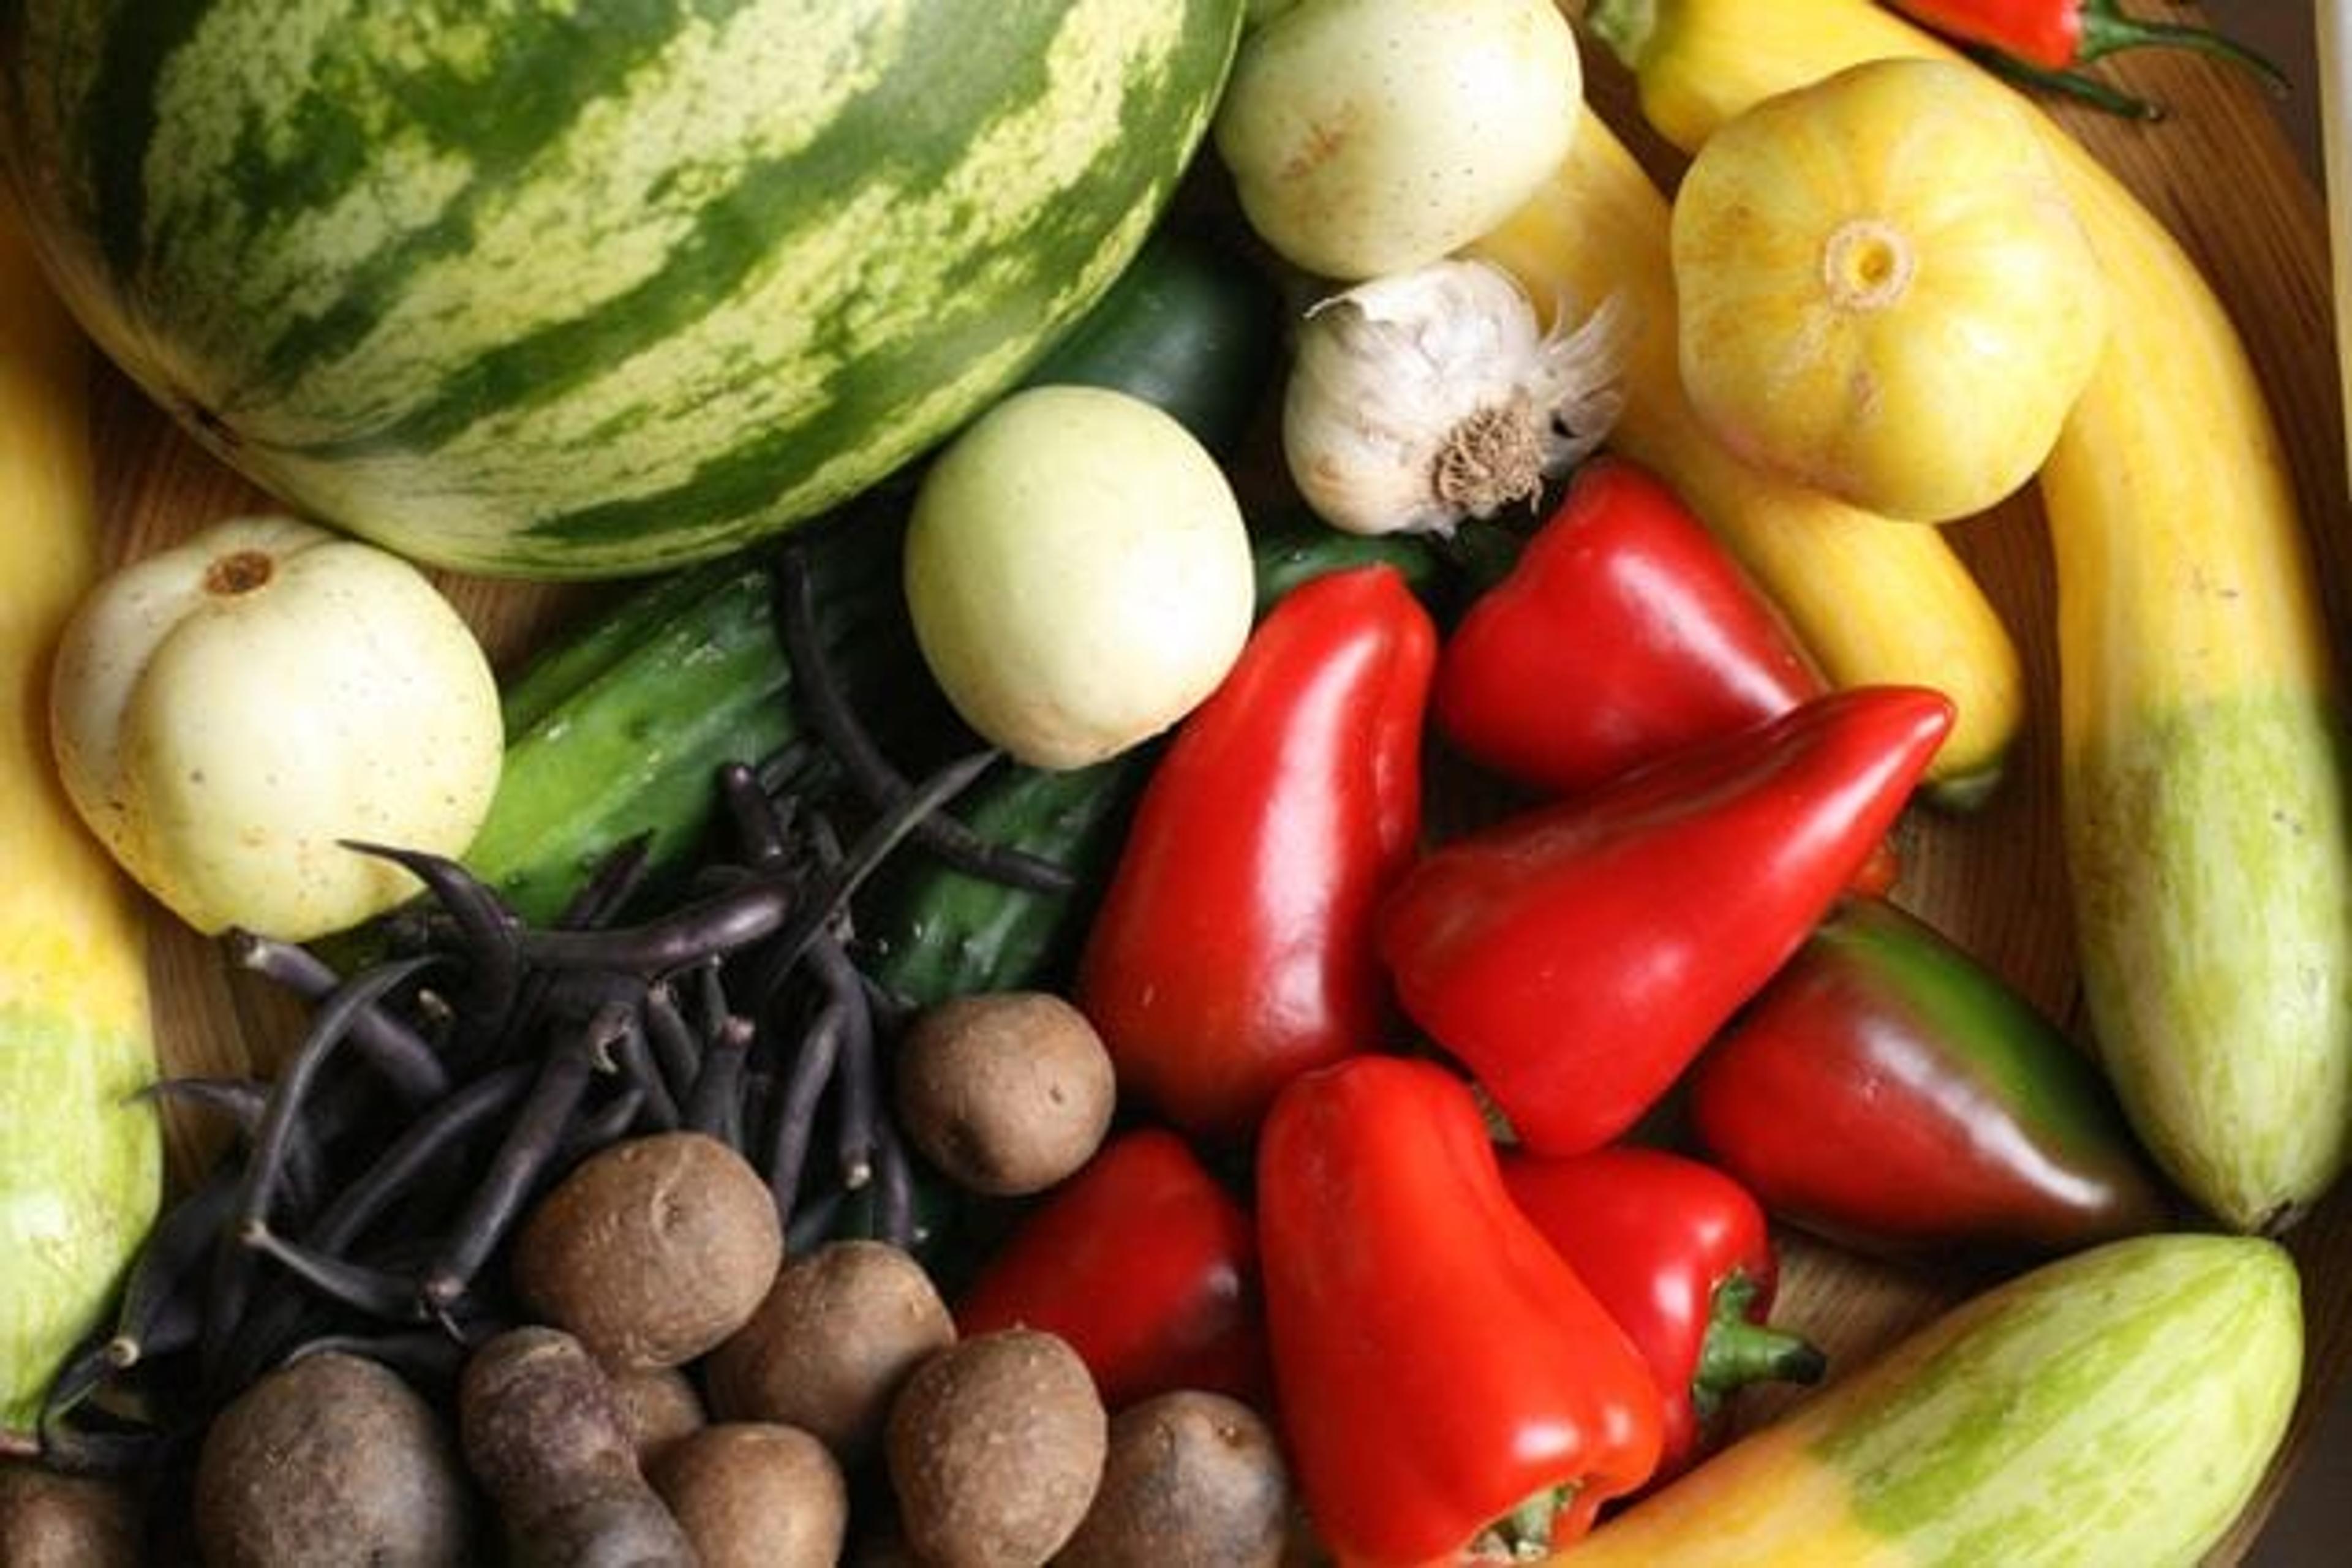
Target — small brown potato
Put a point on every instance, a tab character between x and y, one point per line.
1193	1480
543	1431
661	1406
995	1449
840	1330
332	1458
1006	1092
653	1251
756	1495
48	1520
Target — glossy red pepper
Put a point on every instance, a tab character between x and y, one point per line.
1682	1257
1623	631
2041	40
1578	955
1438	1367
1233	948
1146	1265
1890	1092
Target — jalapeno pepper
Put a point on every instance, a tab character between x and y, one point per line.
1440	1371
1890	1092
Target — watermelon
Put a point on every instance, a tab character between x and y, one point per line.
575	289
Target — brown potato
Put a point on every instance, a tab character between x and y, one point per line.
827	1350
1193	1480
653	1251
995	1448
52	1520
756	1495
332	1460
1006	1092
661	1405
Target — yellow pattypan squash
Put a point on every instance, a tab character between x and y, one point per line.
1885	291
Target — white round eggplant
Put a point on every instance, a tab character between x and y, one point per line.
1078	574
227	712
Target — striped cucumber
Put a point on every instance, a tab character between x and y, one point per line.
563	290
2207	813
81	1161
2117	1407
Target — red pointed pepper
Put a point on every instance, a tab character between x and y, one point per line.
1577	956
1144	1265
1234	949
1437	1365
1888	1091
1682	1257
1623	631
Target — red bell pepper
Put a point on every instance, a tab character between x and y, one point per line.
1682	1257
1233	948
1144	1265
1438	1367
1623	631
2039	42
1577	956
1888	1091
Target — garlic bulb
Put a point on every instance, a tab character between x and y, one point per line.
1424	397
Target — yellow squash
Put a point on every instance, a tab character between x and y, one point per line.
1885	292
2202	761
81	1161
1875	600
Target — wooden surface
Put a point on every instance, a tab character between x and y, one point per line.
2217	172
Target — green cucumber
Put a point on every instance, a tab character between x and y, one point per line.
1190	326
621	730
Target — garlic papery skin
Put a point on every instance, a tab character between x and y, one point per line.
1422	398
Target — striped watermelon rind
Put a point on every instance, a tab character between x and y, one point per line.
584	291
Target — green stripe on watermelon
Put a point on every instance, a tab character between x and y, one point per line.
731	267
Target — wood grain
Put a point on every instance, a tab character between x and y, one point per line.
2217	172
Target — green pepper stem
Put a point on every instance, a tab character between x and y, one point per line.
2072	84
1737	1351
2105	29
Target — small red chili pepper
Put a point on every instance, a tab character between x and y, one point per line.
1623	630
1440	1369
1234	949
1682	1257
1144	1265
2041	41
1890	1092
1578	955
